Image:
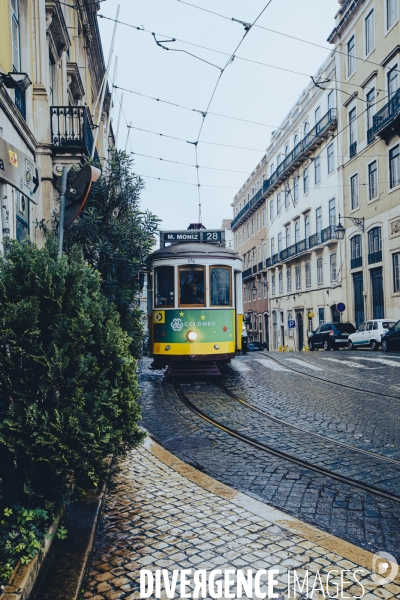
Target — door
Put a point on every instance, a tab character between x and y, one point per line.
358	284
358	338
275	329
377	293
266	331
300	330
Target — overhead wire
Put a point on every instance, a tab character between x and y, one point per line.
187	183
189	165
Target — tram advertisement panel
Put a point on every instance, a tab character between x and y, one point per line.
210	325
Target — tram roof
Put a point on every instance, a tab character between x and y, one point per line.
205	250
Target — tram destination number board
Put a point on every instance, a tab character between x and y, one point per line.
200	235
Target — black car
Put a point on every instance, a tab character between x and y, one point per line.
254	347
391	339
330	335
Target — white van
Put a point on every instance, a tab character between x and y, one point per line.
370	334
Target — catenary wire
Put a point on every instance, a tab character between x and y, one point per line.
189	165
186	183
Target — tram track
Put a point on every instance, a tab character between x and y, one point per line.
281	454
342	385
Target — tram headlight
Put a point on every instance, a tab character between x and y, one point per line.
168	348
216	346
191	336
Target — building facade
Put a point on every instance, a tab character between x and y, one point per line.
51	73
367	44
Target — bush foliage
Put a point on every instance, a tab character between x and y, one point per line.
68	383
116	239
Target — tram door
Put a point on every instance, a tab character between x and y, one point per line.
300	330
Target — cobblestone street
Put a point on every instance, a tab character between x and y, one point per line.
229	504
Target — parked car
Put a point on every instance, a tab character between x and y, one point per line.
391	339
254	347
330	336
370	334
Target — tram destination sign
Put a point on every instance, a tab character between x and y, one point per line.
202	236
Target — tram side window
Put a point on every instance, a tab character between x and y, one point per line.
191	286
220	286
164	277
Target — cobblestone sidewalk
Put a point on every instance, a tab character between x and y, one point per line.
163	514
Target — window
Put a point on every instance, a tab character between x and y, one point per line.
259	254
298	277
271	210
295	141
297	232
258	221
259	289
320	272
278	204
15	36
272	246
305	180
279	242
248	231
321	315
265	251
164	286
318	219
371	97
393	81
252	192
264	218
287	236
373	180
273	285
331	100
394	166
331	158
265	285
245	293
307	226
351	56
221	287
317	115
191	286
308	274
332	212
280	282
354	200
287	197
271	169
287	150
369	33
356	247
317	166
278	160
391	10
236	241
306	128
296	189
333	267
375	240
252	226
288	279
396	272
353	126
51	83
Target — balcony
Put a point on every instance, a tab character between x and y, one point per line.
387	120
71	131
289	164
353	149
326	235
375	257
247	273
355	263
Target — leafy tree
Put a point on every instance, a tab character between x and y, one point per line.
68	385
116	239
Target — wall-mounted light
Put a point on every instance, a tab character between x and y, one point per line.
12	80
340	230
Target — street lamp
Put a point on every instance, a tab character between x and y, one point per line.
340	230
13	80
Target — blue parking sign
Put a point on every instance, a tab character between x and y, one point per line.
292	324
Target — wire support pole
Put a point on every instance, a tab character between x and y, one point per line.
62	211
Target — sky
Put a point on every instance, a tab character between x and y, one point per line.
245	91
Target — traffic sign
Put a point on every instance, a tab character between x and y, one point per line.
341	307
19	170
292	324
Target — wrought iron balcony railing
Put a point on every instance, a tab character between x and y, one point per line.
375	257
70	129
385	118
356	262
247	273
353	149
326	235
303	148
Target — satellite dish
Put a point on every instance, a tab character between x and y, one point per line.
79	192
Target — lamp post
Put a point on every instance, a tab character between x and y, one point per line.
340	230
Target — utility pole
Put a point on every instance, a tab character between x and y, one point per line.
127	137
62	211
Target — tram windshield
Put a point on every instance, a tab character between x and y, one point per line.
220	279
164	277
191	286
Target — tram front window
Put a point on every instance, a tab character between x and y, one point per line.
220	286
191	286
164	277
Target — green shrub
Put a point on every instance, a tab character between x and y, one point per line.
68	383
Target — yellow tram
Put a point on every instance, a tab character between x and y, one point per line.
194	299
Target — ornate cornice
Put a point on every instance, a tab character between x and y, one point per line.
56	29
